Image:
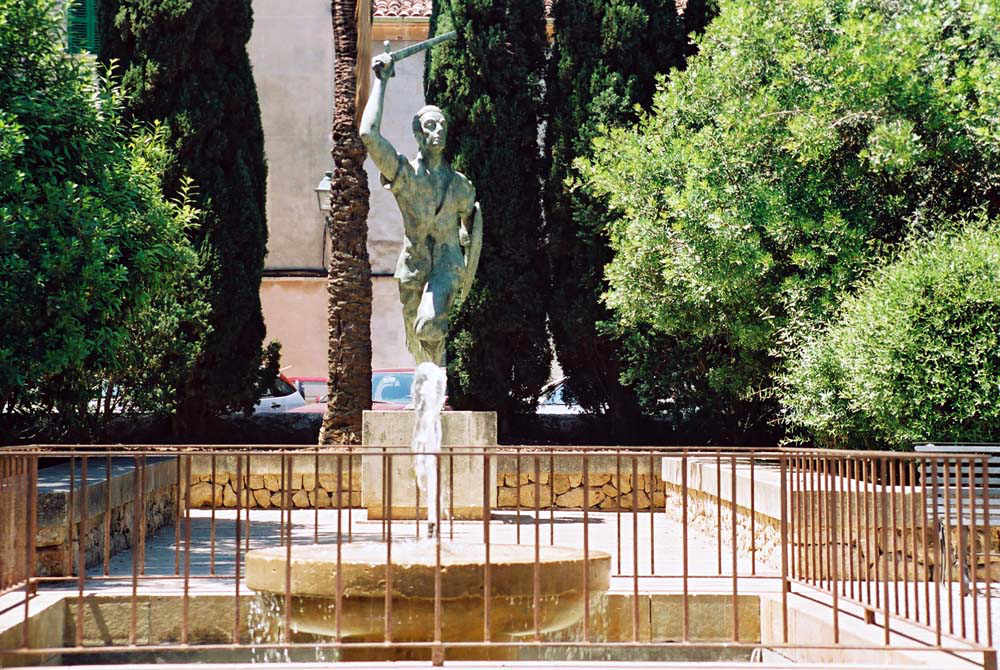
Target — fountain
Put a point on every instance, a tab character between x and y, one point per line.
426	589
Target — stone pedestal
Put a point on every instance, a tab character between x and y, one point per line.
462	480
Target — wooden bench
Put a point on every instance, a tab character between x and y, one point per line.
959	503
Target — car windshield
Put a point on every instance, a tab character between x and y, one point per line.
392	387
280	388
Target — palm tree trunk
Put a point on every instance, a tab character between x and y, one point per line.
349	287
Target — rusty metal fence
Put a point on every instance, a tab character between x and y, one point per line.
902	539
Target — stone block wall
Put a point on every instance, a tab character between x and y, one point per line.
609	484
261	487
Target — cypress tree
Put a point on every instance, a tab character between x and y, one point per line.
605	57
488	82
185	63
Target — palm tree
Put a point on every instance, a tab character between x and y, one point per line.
349	287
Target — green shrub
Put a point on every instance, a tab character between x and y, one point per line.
915	355
803	142
100	307
185	64
488	82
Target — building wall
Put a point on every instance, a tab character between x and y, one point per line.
291	50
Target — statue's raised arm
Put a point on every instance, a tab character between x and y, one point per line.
383	154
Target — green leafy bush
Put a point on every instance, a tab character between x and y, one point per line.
915	355
804	142
488	82
100	307
185	64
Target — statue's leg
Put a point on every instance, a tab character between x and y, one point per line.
431	324
410	295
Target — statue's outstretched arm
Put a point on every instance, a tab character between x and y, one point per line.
383	154
472	245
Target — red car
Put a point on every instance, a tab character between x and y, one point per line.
391	390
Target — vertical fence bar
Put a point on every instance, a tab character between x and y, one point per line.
842	501
451	495
177	516
618	508
893	525
286	485
913	540
487	586
388	549
652	511
833	511
871	562
794	565
211	522
924	526
885	552
938	567
753	516
70	515
236	556
81	541
386	512
107	514
186	603
437	654
585	480
416	509
946	558
246	546
536	581
350	495
517	504
718	510
134	600
851	533
315	497
142	516
685	615
960	523
732	515
339	579
552	501
973	560
635	546
987	549
30	470
785	503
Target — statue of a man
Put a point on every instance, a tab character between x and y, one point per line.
442	223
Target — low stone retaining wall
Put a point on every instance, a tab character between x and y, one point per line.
561	482
60	515
261	487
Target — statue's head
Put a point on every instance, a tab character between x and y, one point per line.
430	127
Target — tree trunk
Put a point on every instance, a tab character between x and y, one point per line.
349	288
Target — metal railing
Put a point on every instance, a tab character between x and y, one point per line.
904	539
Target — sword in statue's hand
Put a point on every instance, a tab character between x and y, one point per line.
386	60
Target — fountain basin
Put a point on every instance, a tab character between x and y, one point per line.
363	579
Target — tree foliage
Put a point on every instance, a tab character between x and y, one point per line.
805	141
915	355
605	57
100	308
488	82
185	64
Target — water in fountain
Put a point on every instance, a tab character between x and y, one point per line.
429	387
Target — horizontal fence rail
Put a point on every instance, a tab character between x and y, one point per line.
896	541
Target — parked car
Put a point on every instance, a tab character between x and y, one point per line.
552	401
391	390
280	396
310	388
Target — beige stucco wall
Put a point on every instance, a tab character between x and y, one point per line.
295	315
291	50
